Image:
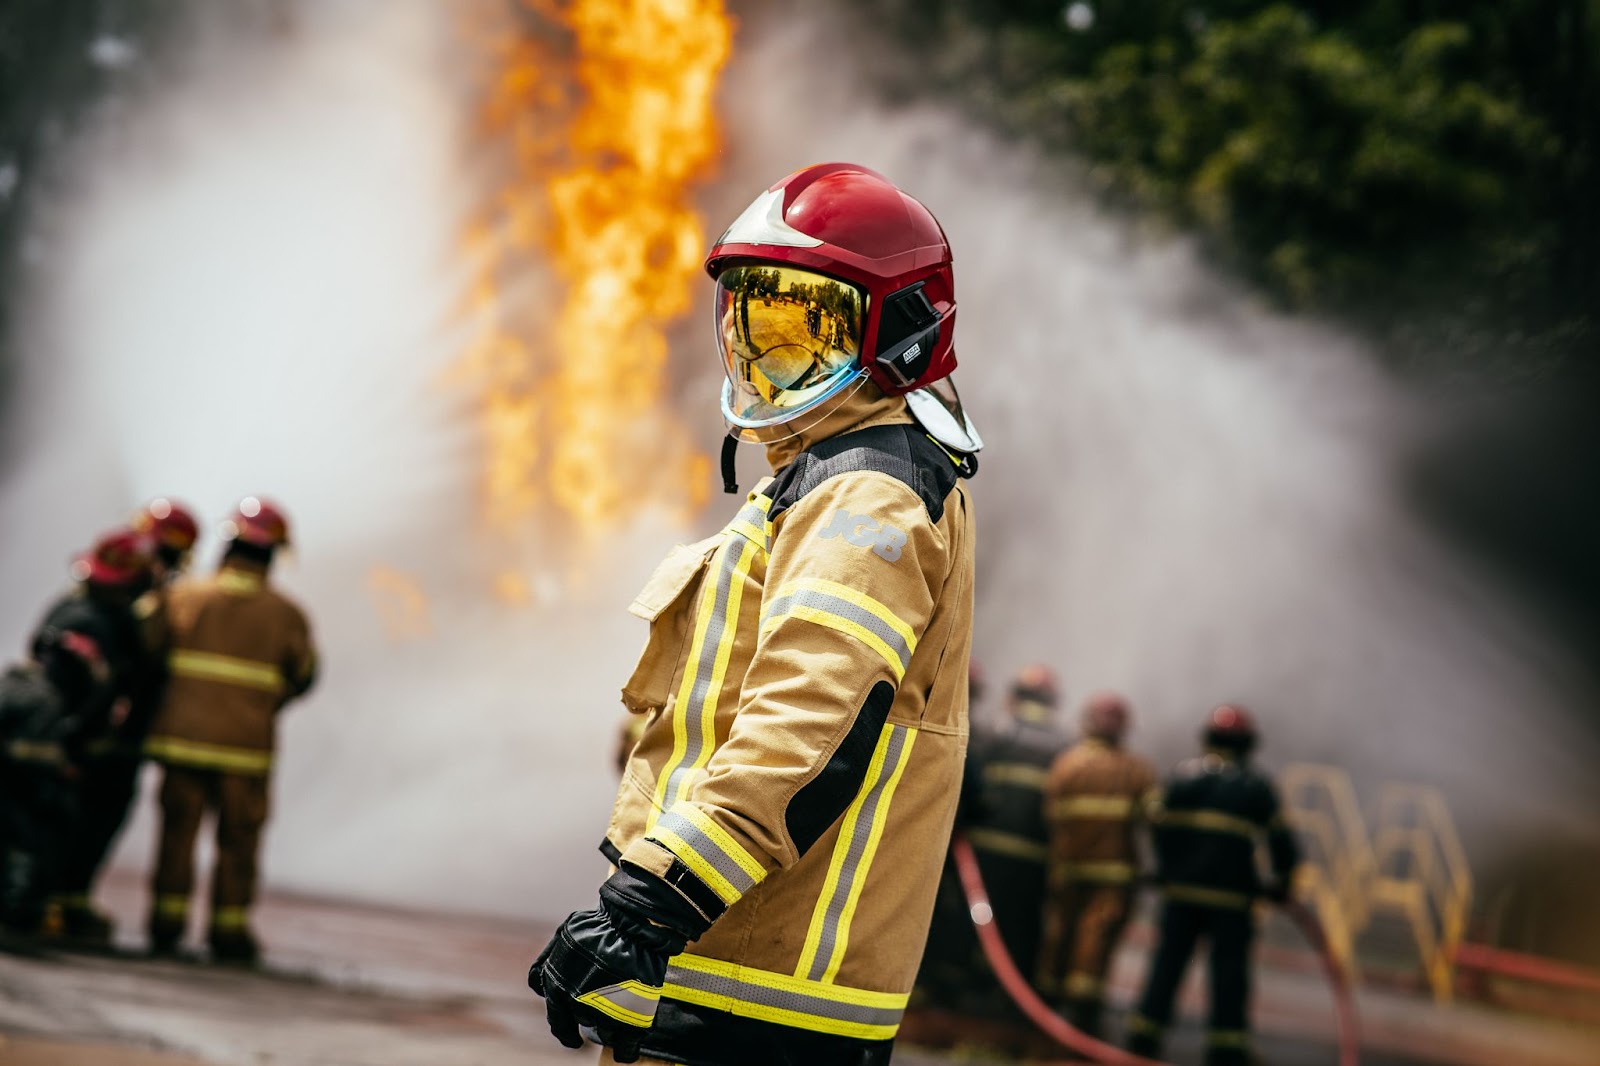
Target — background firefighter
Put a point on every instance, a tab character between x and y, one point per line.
109	579
1008	766
240	652
787	807
1216	811
42	704
1096	797
109	771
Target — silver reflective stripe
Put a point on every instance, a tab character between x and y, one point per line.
705	668
850	870
754	516
708	850
625	998
780	998
842	608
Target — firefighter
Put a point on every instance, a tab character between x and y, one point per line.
109	773
1216	810
781	826
42	709
240	652
1096	796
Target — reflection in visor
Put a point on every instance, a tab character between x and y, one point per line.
787	337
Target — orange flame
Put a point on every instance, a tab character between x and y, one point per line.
574	404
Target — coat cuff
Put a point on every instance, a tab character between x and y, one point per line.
690	851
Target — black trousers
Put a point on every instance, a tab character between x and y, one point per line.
1230	932
105	794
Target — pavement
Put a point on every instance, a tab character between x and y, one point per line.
349	984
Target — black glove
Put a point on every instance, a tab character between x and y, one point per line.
605	967
1278	892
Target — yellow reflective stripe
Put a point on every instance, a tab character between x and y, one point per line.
1016	774
751	522
1239	1038
707	849
172	906
845	610
1207	897
1138	1023
1010	844
785	1000
208	756
227	669
694	716
1209	821
1105	872
44	752
1102	806
631	1002
230	918
1084	985
855	858
238	583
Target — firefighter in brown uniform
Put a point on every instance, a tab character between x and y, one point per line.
240	651
109	772
1096	797
782	822
1217	810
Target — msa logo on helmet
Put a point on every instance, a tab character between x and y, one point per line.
864	531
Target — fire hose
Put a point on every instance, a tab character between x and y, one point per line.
1074	1039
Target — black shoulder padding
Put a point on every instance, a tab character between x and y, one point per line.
825	797
903	452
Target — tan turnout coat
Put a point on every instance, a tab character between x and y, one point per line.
240	650
788	654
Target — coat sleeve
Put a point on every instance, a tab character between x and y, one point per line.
856	569
300	657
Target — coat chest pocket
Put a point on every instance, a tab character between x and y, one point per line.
666	602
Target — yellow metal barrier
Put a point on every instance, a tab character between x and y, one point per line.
1422	874
1337	878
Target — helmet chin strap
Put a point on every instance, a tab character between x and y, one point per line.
730	470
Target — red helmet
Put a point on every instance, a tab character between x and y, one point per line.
1036	684
1230	726
893	318
72	660
170	524
119	559
258	523
1105	715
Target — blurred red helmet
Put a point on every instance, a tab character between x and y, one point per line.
119	559
1036	684
1230	726
258	523
784	259
169	524
1105	715
86	650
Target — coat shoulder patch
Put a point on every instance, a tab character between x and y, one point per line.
903	452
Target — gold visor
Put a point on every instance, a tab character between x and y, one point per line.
790	338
